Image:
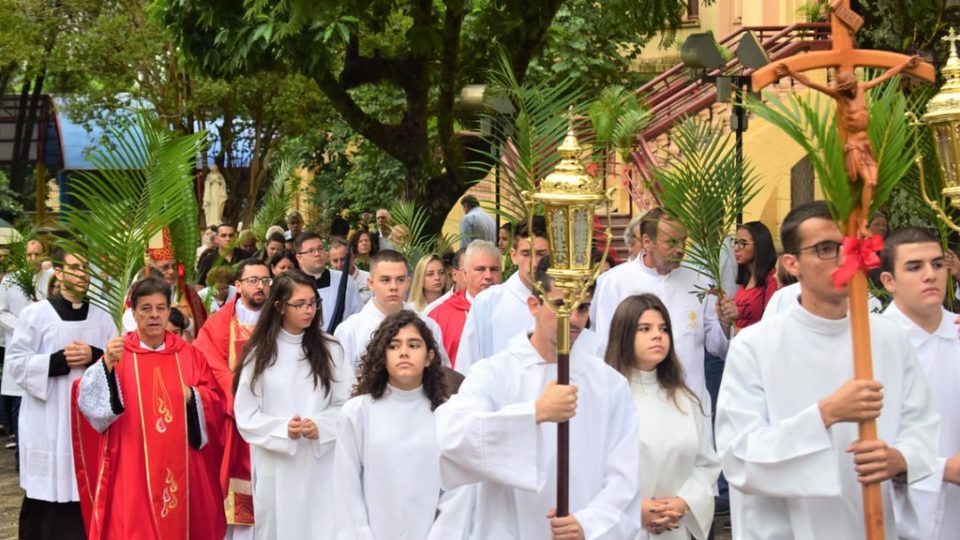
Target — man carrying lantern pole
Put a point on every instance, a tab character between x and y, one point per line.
802	426
504	429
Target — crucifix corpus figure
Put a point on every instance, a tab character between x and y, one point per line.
852	109
854	117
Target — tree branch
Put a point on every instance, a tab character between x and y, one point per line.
449	67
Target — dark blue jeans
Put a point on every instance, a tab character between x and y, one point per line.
713	371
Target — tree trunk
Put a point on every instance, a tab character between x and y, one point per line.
18	172
18	138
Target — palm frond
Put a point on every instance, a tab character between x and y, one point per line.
813	125
413	220
703	188
137	190
525	148
273	206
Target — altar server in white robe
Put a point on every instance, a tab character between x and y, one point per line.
389	282
387	463
678	465
290	390
915	273
53	343
788	409
500	312
697	325
500	432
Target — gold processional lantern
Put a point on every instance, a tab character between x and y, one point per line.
943	119
570	198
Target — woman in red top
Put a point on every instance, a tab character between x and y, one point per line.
756	271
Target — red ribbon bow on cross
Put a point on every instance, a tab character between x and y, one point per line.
857	254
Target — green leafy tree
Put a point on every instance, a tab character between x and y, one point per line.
424	51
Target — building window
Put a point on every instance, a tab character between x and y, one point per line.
693	10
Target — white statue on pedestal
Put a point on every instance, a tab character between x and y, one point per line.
214	196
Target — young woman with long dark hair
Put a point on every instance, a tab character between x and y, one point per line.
677	462
386	440
756	259
288	396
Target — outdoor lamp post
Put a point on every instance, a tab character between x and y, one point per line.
943	119
569	197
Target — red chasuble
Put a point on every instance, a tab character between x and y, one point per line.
221	341
451	316
140	479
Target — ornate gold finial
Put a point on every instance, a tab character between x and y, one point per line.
570	176
947	101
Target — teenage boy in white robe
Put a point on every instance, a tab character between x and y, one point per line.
915	273
500	312
500	432
389	281
786	426
54	341
698	325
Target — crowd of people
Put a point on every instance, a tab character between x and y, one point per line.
318	384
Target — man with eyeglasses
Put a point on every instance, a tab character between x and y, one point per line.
789	297
313	261
788	411
221	340
54	342
338	258
699	326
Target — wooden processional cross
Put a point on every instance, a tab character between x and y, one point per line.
861	167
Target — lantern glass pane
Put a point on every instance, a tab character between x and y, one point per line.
581	237
945	151
558	243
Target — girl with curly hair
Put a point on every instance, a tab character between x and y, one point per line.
387	471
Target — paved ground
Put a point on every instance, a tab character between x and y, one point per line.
10	494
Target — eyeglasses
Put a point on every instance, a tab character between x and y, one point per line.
313	251
741	243
252	281
826	250
306	306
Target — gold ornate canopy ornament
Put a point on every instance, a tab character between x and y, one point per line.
943	119
570	197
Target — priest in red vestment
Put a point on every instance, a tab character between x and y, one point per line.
221	340
147	435
482	270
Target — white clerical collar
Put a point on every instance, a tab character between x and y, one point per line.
246	315
161	347
646	269
820	324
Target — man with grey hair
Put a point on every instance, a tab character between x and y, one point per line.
482	270
631	236
337	253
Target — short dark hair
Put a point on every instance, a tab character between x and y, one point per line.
388	256
276	237
650	222
252	261
537	225
339	227
303	238
790	230
146	287
906	235
225	225
177	319
456	261
57	256
470	201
